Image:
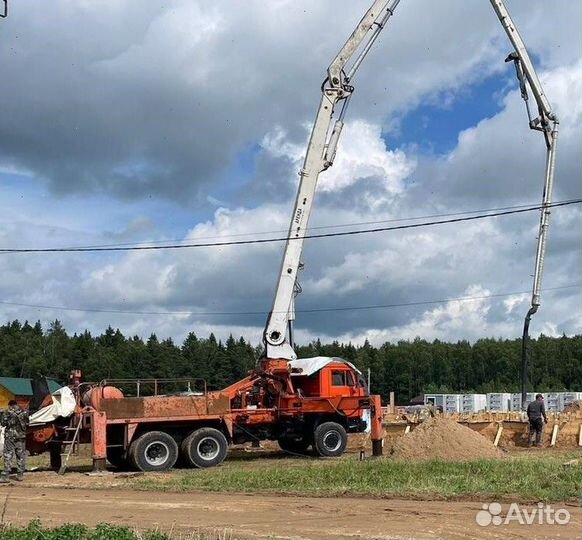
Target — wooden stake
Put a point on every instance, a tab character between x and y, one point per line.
498	435
407	430
554	435
580	436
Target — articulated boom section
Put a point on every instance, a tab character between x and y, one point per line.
336	90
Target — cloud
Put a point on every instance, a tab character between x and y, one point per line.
500	159
361	155
454	320
130	138
138	101
456	317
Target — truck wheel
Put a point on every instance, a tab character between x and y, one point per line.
293	446
330	439
154	451
205	447
117	457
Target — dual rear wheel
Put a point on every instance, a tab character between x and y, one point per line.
158	451
204	447
153	451
207	447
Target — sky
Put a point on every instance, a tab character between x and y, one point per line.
129	122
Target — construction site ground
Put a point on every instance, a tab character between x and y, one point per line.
239	516
119	498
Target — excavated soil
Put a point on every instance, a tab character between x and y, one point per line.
573	407
441	438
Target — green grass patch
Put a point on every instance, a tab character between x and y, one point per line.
517	478
36	531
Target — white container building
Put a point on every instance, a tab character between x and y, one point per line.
473	402
449	403
499	401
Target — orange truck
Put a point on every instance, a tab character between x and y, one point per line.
300	404
304	403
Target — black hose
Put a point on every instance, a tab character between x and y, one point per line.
524	360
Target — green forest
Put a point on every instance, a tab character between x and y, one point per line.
408	367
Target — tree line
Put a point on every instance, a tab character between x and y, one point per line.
408	368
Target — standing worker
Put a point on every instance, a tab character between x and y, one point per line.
536	412
15	421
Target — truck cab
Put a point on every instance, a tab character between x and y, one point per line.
327	378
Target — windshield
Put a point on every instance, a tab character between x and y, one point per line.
362	382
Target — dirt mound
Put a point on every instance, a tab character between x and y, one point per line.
441	438
575	406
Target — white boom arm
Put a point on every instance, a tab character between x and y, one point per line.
323	145
547	123
320	155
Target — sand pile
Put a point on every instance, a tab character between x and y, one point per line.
441	438
575	406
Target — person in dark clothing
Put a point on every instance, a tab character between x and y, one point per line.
536	413
15	421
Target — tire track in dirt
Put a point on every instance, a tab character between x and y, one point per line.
264	516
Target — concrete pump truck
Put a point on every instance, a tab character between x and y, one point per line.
300	403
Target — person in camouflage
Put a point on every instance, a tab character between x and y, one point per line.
15	422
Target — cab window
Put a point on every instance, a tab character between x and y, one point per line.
338	378
362	382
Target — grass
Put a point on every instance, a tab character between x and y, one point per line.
36	531
522	478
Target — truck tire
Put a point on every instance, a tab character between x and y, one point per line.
204	447
293	446
330	439
154	451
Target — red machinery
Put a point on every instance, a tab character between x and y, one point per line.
298	407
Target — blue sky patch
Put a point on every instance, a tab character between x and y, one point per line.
435	129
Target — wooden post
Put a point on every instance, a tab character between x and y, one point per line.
580	436
407	430
392	403
498	434
554	435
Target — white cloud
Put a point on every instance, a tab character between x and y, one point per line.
361	154
501	159
175	92
457	319
517	300
152	98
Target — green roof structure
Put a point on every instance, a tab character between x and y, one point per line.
22	387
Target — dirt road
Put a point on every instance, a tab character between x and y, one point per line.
261	516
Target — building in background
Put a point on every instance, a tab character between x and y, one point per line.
20	390
497	401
